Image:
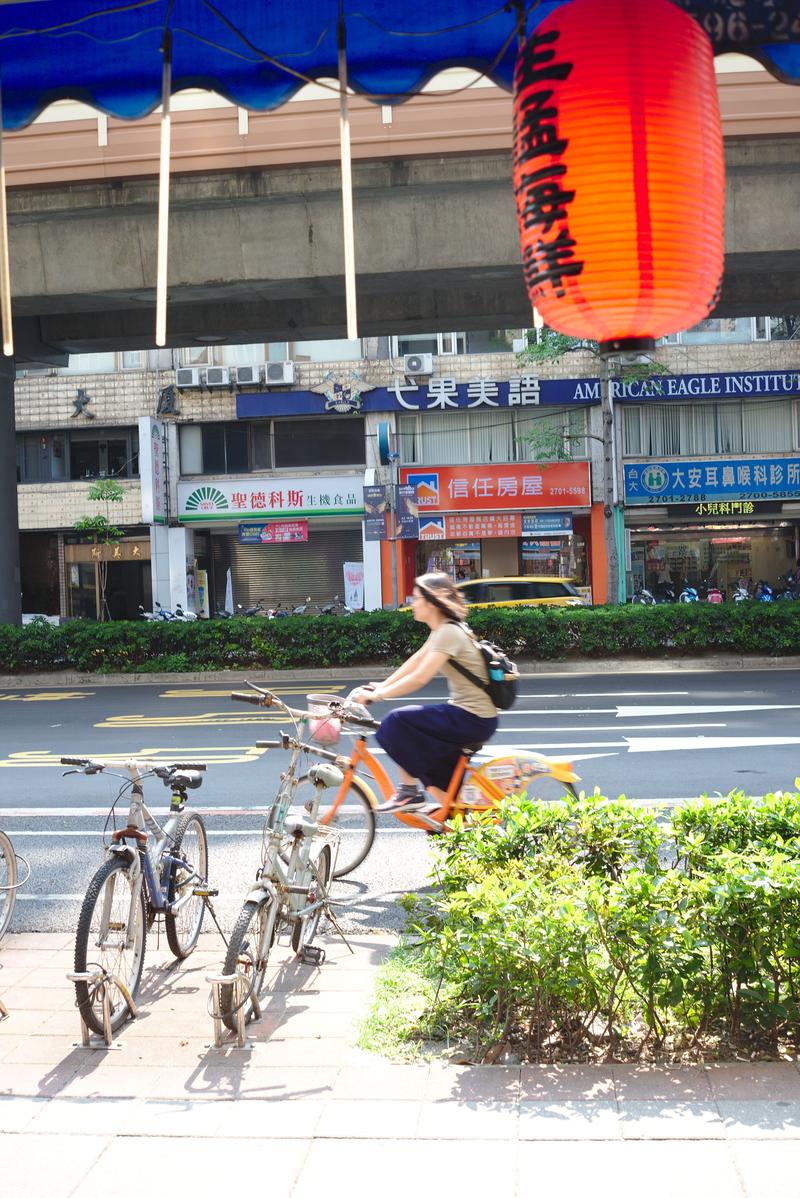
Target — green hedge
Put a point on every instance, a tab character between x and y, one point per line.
594	928
545	634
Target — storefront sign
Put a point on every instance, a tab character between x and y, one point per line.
555	522
354	585
431	528
736	507
484	524
443	394
406	513
542	548
376	514
707	386
509	488
701	480
120	551
201	502
436	394
276	532
152	445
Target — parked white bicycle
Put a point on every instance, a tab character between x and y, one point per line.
10	880
298	861
149	870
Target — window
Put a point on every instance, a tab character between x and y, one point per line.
776	328
82	454
90	364
448	439
319	442
326	351
196	355
429	343
133	359
678	430
242	447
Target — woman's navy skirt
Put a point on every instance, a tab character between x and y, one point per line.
427	740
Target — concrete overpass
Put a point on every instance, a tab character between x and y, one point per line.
255	234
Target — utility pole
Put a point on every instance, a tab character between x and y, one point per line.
609	484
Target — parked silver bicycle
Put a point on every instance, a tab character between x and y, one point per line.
10	880
149	870
298	861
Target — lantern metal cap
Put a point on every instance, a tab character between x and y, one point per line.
627	345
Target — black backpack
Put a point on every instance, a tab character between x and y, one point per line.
503	674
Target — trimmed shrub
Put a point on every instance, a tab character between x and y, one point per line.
385	638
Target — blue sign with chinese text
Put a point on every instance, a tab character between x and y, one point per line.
547	522
693	480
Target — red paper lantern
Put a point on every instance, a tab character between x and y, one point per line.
619	171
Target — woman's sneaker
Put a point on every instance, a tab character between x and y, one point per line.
405	798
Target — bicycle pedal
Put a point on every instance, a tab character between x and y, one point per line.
310	954
204	892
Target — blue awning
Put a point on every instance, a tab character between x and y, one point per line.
257	53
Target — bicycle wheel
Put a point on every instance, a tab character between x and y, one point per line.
111	934
8	882
248	953
190	847
304	930
355	822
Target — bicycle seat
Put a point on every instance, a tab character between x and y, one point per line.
470	749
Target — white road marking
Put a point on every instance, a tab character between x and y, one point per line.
667	744
626	713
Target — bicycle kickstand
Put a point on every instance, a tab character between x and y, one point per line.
3	1011
337	927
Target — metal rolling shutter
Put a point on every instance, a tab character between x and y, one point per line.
285	573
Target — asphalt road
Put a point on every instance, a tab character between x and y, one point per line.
658	736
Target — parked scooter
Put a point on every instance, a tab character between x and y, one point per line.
278	612
664	592
713	593
688	594
790	587
741	592
188	617
309	608
642	596
257	609
337	608
764	592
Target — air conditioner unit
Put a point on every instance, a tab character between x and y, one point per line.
247	375
218	376
188	376
418	364
276	373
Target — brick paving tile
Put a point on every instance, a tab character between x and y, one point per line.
381	1081
473	1082
642	1082
365	1168
748	1119
353	1119
768	1169
569	1082
675	1120
629	1169
770	1080
471	1119
48	1166
587	1119
17	1113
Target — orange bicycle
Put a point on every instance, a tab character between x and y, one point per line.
519	773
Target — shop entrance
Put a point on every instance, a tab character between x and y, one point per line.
673	557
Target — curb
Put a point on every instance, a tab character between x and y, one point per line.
528	669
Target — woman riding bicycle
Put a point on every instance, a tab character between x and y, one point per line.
425	742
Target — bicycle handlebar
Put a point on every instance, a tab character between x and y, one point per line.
258	700
101	763
264	698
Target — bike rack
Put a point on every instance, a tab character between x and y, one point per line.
241	995
102	980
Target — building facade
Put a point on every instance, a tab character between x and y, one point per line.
242	470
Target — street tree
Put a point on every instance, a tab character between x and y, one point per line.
105	535
554	445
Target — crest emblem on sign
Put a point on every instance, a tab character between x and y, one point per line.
343	391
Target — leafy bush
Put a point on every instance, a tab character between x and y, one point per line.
388	637
593	926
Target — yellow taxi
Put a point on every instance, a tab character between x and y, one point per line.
529	589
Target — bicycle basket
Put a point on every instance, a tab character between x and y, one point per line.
323	728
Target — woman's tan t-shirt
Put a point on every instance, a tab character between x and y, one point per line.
457	644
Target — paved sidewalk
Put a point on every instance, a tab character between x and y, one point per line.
304	1112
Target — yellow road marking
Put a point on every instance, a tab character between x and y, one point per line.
44	696
227	755
199	693
206	720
